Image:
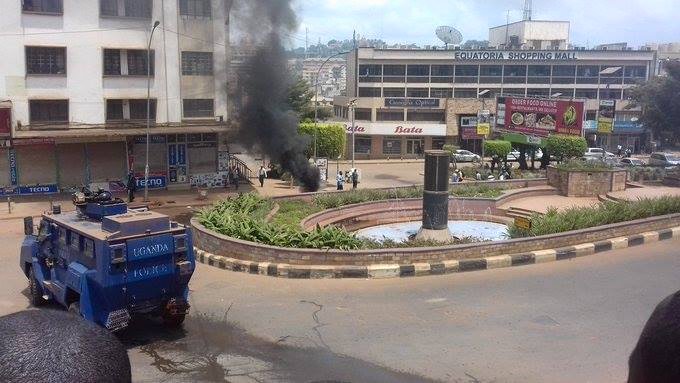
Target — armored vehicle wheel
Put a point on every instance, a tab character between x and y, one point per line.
34	290
74	308
173	320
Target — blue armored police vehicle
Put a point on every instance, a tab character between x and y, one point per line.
107	262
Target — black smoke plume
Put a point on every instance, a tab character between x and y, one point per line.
264	117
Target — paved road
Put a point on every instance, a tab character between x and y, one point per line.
560	322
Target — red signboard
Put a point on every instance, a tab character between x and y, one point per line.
470	133
5	121
541	117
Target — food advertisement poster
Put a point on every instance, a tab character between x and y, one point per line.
541	117
484	122
605	116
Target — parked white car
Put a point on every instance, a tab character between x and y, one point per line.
598	153
664	159
462	155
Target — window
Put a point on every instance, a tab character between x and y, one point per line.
43	6
466	74
639	71
490	74
136	62
564	70
369	92
417	92
114	110
394	73
465	93
75	241
370	73
586	93
44	60
539	70
196	108
362	114
197	63
415	146
425	115
390	115
513	92
88	247
362	145
138	109
126	8
418	73
195	8
564	92
394	92
610	94
537	92
514	74
441	92
123	110
442	73
392	146
588	71
112	62
48	111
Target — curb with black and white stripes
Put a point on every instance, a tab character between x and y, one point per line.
436	268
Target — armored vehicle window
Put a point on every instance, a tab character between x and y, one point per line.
63	236
88	247
75	241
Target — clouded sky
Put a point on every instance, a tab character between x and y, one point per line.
592	21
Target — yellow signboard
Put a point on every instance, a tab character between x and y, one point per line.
523	223
605	116
484	122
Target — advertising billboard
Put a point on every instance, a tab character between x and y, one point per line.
605	116
543	117
484	122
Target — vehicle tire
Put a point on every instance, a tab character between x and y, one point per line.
74	308
173	320
34	290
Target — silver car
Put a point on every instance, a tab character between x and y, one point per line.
631	162
462	155
664	159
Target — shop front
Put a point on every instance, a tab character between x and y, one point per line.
378	140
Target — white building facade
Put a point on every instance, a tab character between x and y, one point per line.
73	92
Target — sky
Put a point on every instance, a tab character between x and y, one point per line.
413	21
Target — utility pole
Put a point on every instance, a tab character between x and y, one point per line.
507	27
148	111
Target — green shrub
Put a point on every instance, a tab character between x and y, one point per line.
330	139
497	148
577	218
240	217
476	191
566	147
584	165
333	200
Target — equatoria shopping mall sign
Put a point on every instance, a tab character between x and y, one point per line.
397	129
516	55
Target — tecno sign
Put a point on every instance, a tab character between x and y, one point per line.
395	129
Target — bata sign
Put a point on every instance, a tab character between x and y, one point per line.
516	55
397	129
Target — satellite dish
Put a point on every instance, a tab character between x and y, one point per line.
449	35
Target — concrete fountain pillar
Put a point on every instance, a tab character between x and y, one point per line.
436	198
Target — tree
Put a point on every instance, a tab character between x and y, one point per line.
498	150
566	147
659	99
300	97
331	139
452	150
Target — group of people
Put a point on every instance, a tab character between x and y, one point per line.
621	152
353	176
484	175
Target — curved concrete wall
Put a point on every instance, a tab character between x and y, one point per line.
222	245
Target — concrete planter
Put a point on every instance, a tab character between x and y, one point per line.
587	183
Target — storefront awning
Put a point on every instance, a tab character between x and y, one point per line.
115	133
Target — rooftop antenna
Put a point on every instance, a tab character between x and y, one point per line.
527	10
449	35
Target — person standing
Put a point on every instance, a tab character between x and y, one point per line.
131	186
237	177
355	179
261	175
340	180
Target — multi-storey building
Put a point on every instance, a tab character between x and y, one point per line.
408	101
73	92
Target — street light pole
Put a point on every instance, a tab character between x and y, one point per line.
148	111
316	95
351	110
